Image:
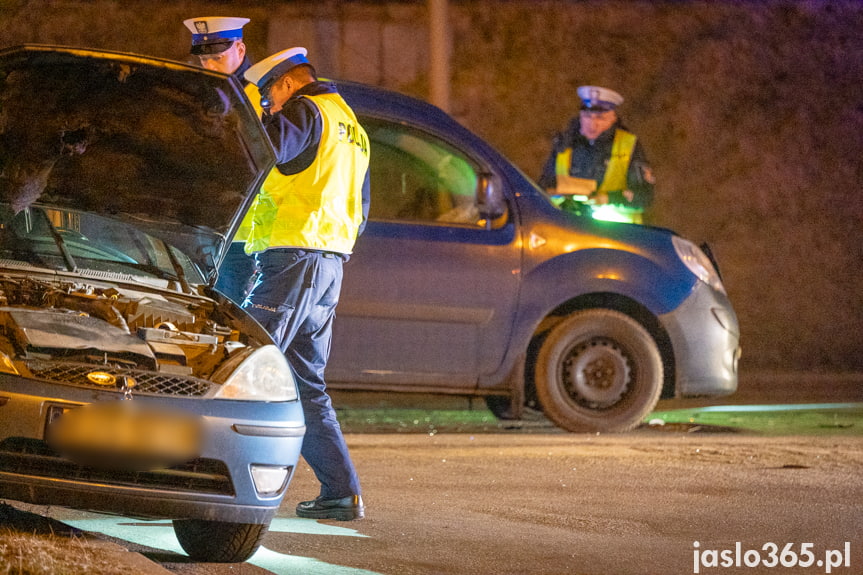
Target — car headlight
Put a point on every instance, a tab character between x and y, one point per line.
697	262
6	365
263	376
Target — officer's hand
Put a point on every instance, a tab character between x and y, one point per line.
599	198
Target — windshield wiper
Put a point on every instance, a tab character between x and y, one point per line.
58	240
178	269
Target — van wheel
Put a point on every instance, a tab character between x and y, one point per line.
598	370
219	541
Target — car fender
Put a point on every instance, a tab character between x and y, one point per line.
554	285
657	284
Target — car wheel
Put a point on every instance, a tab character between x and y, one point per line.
598	370
219	541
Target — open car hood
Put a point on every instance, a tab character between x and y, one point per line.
175	150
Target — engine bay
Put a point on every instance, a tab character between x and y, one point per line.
112	326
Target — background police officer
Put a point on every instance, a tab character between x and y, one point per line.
600	159
217	42
304	223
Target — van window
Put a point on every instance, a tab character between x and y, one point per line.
419	178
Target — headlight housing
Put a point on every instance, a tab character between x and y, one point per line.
263	376
698	263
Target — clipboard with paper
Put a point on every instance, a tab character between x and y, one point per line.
578	189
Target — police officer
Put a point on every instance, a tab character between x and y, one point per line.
602	161
217	41
304	223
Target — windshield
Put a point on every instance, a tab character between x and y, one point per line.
171	149
75	241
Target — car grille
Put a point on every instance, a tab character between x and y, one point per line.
149	382
34	458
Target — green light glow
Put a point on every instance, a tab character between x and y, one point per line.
160	535
797	419
612	213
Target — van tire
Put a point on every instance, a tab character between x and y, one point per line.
219	541
598	370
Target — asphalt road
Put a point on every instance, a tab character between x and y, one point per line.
533	500
563	505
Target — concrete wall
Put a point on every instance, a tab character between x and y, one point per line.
750	112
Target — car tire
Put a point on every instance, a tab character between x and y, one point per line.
219	541
598	370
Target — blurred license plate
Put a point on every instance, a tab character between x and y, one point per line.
124	434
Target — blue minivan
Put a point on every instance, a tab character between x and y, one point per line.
469	280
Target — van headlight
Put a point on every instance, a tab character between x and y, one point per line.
697	262
263	376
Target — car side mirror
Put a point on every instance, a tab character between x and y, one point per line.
489	203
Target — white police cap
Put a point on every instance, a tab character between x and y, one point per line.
274	66
597	98
214	34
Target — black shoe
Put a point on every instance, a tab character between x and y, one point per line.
343	509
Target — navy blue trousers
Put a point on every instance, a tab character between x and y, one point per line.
294	298
235	273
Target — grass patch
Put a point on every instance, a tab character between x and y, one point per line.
803	419
33	554
793	419
417	420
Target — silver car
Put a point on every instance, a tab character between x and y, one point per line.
127	384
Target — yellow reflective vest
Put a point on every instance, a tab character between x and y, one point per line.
615	178
254	97
618	164
319	208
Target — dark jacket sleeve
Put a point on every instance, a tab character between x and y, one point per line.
639	180
548	178
367	196
295	132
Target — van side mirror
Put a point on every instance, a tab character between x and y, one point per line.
489	203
